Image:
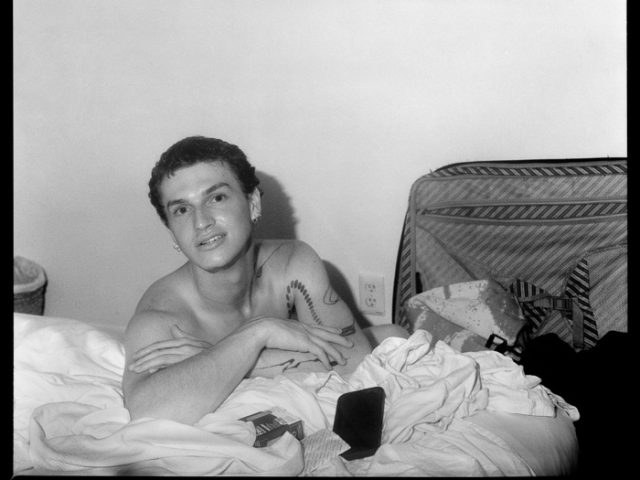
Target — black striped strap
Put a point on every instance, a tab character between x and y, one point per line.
578	288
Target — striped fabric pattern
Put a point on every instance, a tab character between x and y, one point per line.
541	254
521	289
405	284
506	221
532	211
578	287
532	171
609	299
453	191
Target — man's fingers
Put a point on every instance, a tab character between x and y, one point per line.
329	335
155	363
329	350
321	354
157	346
165	344
183	351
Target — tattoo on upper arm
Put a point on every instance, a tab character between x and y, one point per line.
299	286
330	296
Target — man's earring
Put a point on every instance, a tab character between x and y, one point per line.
177	248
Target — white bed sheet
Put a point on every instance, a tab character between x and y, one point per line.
446	414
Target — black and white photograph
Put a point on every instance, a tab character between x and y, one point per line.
320	238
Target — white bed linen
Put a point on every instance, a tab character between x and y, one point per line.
446	414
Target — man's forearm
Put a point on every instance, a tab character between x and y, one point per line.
274	362
188	390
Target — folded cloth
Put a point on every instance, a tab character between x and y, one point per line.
429	393
71	436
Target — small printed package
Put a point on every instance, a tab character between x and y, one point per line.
271	425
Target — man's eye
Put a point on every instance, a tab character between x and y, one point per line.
217	198
179	211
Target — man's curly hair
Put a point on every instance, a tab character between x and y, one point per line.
192	150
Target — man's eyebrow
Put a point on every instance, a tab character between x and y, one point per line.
208	191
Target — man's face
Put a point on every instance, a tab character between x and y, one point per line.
208	213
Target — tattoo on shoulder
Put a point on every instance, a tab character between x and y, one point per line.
330	296
290	296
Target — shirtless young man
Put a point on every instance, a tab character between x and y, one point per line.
239	306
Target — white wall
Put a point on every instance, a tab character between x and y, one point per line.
341	103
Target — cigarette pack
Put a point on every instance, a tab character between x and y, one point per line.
271	424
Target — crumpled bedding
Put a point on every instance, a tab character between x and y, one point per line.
69	415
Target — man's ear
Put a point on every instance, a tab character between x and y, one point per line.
255	203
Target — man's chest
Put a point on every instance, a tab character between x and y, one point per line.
214	324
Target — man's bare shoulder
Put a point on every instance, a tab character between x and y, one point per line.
303	259
274	256
285	253
149	324
165	294
163	304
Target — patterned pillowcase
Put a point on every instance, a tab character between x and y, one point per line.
465	315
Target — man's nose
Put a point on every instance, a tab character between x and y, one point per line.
203	219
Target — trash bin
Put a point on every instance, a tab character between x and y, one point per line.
29	282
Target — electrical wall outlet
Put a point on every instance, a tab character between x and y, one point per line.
372	293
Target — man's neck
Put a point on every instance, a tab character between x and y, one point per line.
230	286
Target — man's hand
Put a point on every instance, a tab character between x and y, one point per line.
298	337
161	354
280	334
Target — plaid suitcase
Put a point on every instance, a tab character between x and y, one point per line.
553	232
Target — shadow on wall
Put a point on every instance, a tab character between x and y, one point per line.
341	286
279	221
278	218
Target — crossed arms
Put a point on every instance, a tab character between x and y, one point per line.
172	374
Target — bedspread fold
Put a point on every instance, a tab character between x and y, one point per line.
431	390
71	436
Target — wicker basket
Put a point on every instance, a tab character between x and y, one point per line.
29	284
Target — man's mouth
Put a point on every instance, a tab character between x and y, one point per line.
211	240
